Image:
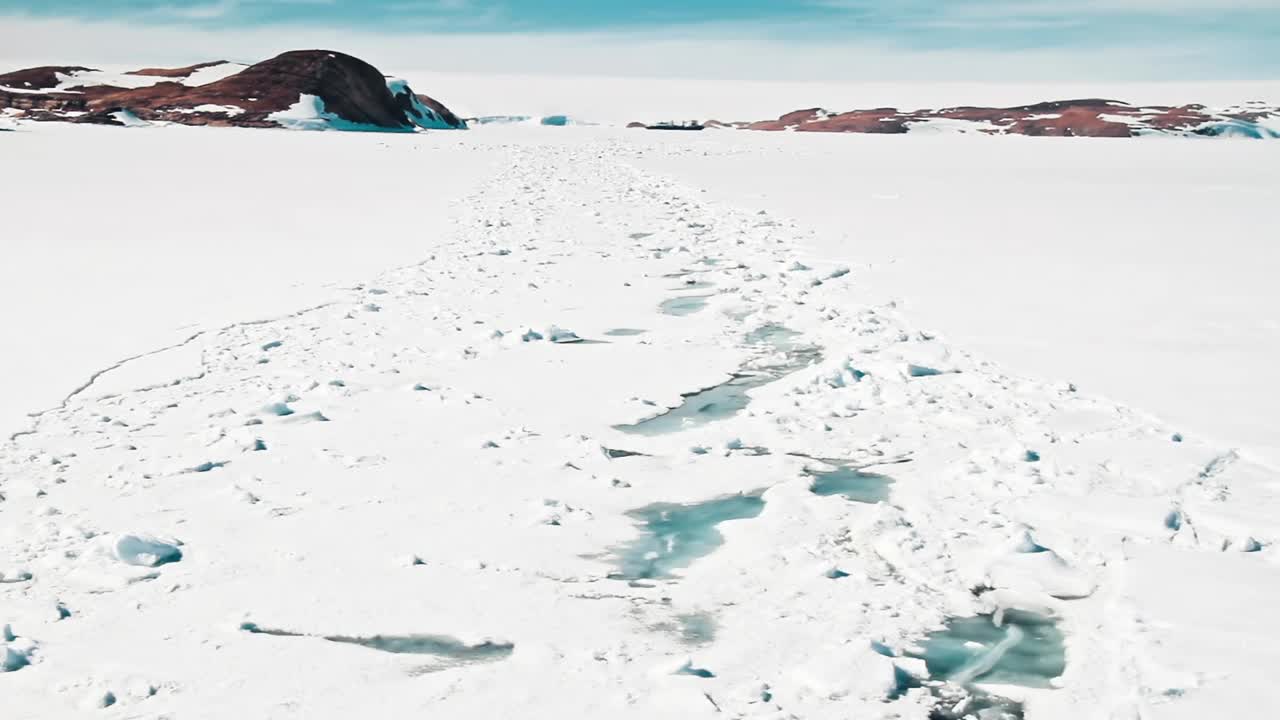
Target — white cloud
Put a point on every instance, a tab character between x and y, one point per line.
210	11
1154	6
731	52
1061	8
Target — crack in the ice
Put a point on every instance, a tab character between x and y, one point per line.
93	378
414	644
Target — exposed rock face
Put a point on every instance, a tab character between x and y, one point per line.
39	78
441	111
1066	118
314	89
181	72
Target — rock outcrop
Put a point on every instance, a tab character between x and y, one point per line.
1066	118
40	78
304	89
182	72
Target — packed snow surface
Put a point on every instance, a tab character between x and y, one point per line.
429	490
269	224
1143	271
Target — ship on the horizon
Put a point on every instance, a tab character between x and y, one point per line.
669	125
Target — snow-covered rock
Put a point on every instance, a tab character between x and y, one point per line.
301	90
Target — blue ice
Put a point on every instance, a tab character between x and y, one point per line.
673	536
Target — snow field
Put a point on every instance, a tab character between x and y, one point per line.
414	498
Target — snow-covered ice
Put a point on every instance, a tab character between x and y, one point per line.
619	100
190	253
376	474
1141	271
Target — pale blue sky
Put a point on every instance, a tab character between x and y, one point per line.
1147	39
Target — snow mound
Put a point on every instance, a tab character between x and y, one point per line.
213	73
214	108
146	551
850	670
14	575
15	652
1044	571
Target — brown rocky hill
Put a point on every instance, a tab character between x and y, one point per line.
304	89
1065	118
182	72
40	78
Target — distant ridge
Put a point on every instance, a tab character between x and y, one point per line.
1063	118
300	89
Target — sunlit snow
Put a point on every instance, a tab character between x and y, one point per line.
584	422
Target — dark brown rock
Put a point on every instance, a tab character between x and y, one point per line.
443	112
350	89
39	78
181	72
1089	117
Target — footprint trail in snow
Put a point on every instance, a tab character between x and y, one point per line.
466	450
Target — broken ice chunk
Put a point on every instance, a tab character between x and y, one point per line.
560	335
14	575
146	551
15	652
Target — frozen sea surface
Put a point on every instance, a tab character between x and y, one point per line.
850	483
1022	650
988	241
673	536
389	470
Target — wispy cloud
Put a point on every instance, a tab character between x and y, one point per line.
809	39
1047	7
210	11
387	15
